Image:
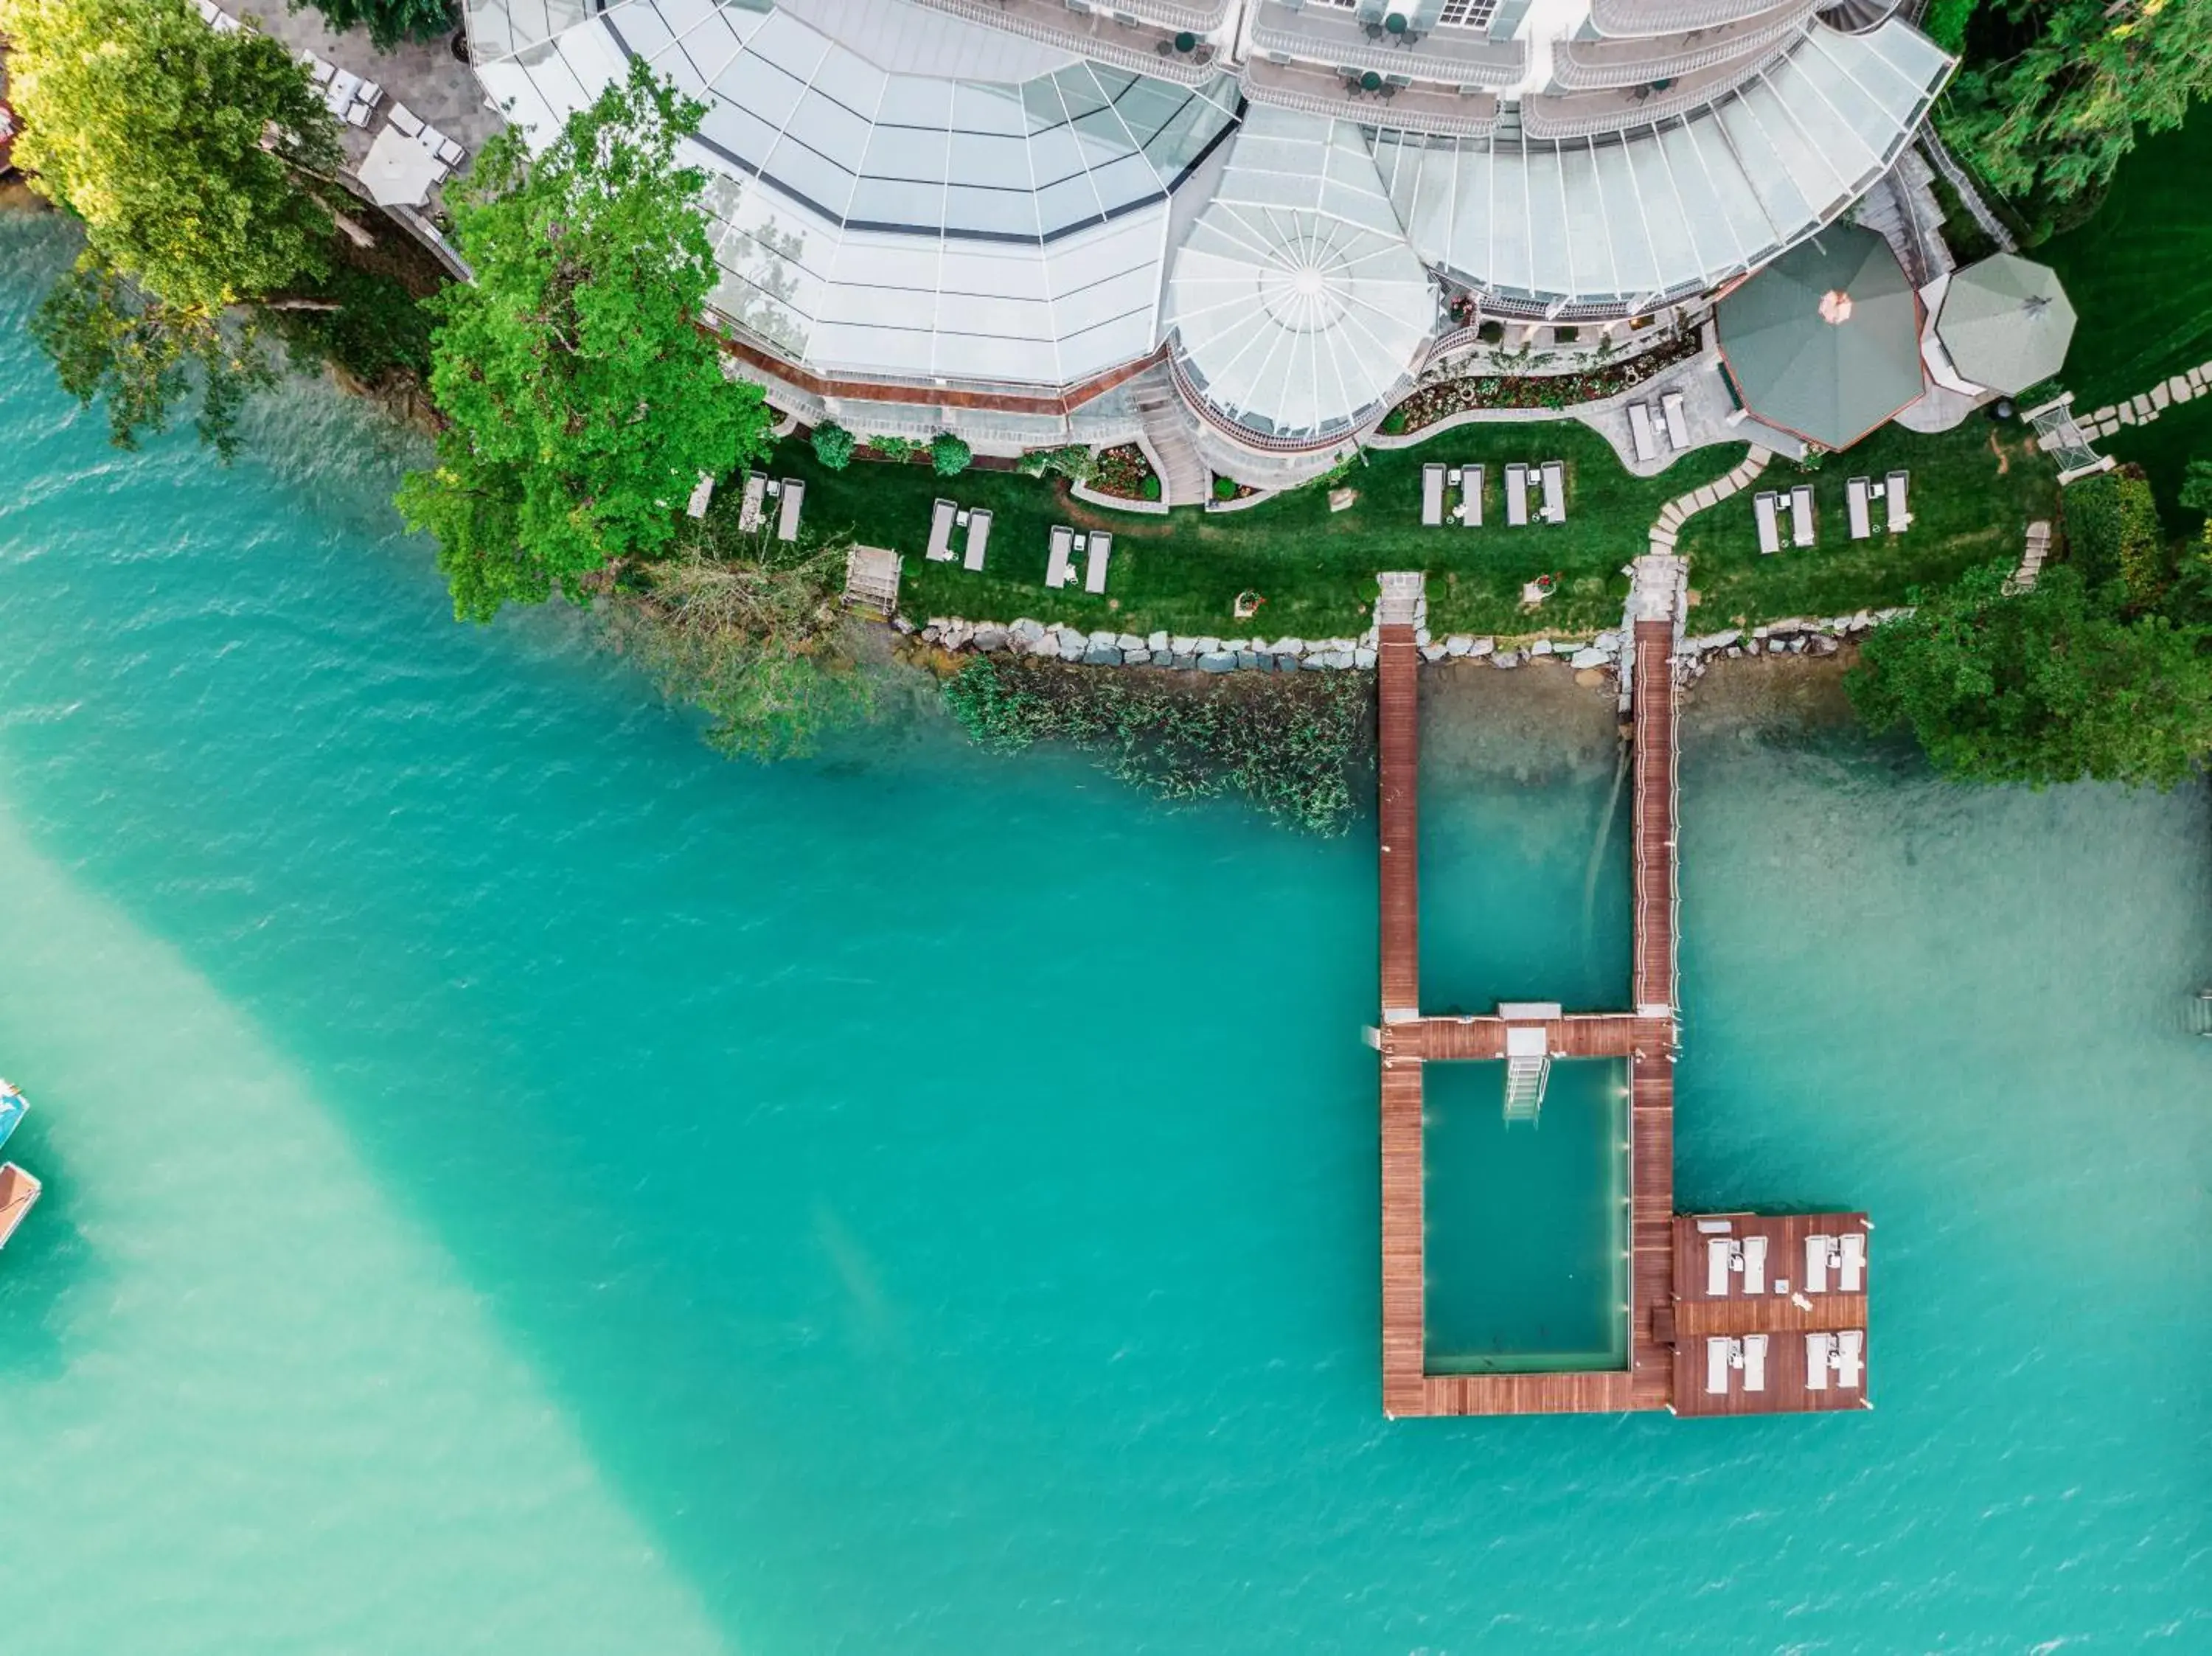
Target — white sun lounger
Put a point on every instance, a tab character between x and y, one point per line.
1720	1357
450	152
749	509
1850	1359
1433	496
322	72
1094	567
702	493
940	531
1720	1256
1816	1262
1063	542
357	114
1470	497
1678	419
1516	494
1770	535
1801	524
370	94
1639	427
1893	502
1754	1264
1852	1271
1754	1362
979	538
408	123
1820	1353
1555	492
787	516
1856	498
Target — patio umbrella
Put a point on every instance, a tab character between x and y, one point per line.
1824	342
399	170
2005	322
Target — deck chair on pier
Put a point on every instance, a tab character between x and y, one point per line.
1720	1258
1856	497
1816	1262
1850	1358
1555	492
1754	1264
1516	494
1820	1352
1094	564
1770	533
1851	1268
1061	569
940	531
1801	527
979	538
1720	1357
1754	1362
1433	496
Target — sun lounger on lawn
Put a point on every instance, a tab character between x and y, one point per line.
1516	494
1555	492
1063	542
1639	427
1719	1253
702	493
1720	1356
1801	515
1850	1359
1470	497
1893	503
940	531
1433	496
1754	1264
1754	1362
1093	567
1856	498
786	517
1816	1262
1852	1271
1678	419
979	538
749	509
1820	1352
1770	536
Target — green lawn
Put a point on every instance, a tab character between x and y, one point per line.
2140	271
2164	449
1970	503
1315	568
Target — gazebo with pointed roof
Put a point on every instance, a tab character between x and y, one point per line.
1824	342
2005	322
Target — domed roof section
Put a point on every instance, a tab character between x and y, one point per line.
1296	302
2007	322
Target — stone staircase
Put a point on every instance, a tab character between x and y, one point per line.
1184	479
1676	512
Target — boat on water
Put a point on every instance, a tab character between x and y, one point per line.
18	1191
13	1104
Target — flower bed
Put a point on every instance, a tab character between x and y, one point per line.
1430	404
1126	473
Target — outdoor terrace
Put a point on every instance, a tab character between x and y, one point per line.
1409	108
1451	57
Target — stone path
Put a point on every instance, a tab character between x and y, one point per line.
1676	511
2141	409
2031	563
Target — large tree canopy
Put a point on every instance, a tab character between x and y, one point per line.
582	398
2053	685
388	21
2053	90
179	148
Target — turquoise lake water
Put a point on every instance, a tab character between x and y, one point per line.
519	1184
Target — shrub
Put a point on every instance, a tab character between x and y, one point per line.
895	448
2113	532
950	455
1150	488
1224	489
833	445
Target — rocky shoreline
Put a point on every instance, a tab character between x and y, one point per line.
1597	654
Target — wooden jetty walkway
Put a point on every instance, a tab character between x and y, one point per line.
1644	1036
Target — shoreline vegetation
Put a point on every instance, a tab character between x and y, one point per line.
574	398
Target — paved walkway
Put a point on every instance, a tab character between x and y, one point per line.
1676	511
2142	409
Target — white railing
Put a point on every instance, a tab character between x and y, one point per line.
1630	20
1471	115
1049	23
1623	115
1597	65
1448	57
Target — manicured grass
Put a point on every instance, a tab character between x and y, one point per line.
2140	271
1315	568
2164	449
1974	491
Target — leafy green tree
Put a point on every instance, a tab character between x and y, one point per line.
2196	486
950	455
195	160
2051	685
582	398
388	21
2113	533
833	445
2047	113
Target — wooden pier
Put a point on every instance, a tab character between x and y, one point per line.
1644	1036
